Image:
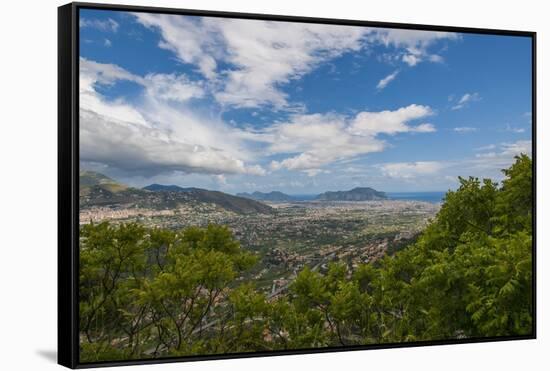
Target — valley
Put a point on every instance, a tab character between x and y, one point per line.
286	235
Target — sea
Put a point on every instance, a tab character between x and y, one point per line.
433	197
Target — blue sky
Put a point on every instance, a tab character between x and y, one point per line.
245	105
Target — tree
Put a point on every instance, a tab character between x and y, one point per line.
145	292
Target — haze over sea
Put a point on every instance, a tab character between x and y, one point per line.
432	197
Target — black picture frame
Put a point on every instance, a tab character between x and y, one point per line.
68	179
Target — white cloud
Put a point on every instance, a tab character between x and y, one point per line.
423	128
255	170
501	156
162	86
435	58
516	148
386	80
468	97
107	25
465	129
430	175
315	172
107	43
412	38
92	74
221	179
512	129
103	73
392	122
413	45
490	162
316	140
487	147
157	134
465	100
173	87
268	54
411	59
147	150
408	170
187	38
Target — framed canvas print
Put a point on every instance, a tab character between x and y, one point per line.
236	185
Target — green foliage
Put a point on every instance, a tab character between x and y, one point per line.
154	292
145	292
515	204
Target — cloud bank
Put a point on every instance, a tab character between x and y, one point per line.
159	133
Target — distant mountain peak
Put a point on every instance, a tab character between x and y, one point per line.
89	179
355	194
274	196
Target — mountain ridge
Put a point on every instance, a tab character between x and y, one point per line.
97	189
355	194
